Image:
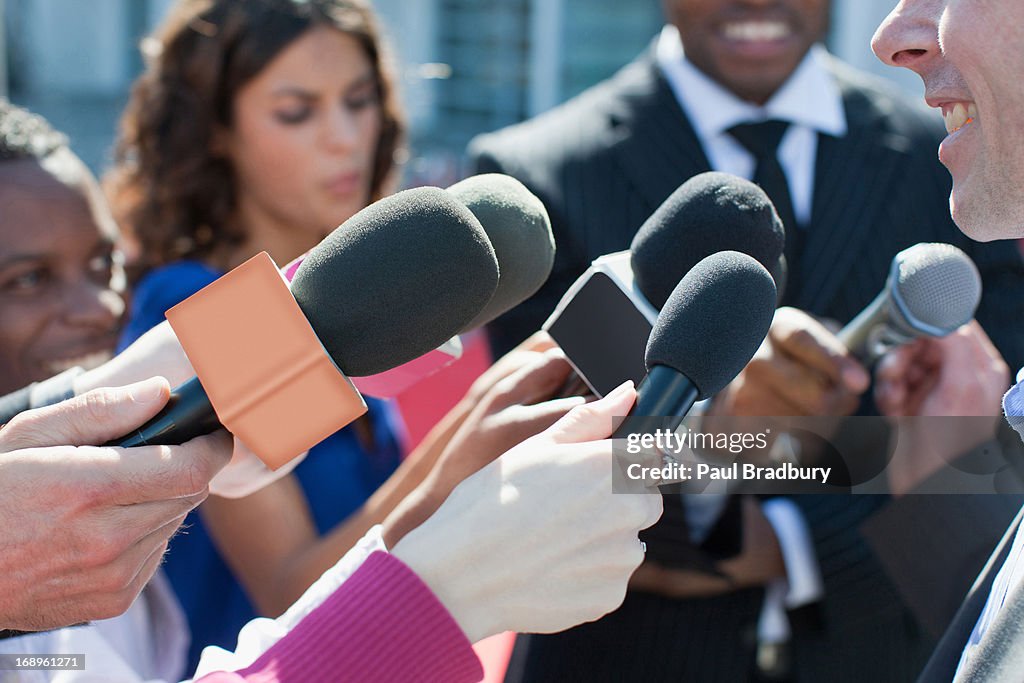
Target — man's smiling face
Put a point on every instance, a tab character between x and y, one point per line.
970	55
750	47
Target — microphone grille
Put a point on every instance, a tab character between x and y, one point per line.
939	286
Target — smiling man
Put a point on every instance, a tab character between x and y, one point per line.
743	86
970	55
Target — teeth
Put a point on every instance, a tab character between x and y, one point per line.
756	30
959	115
87	362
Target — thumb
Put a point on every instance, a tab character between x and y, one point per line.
593	421
91	419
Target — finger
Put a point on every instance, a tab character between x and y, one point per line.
536	381
106	604
539	341
134	523
984	343
893	365
534	419
124	563
792	386
593	421
891	397
156	473
808	342
90	419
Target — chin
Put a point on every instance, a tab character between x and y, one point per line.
988	220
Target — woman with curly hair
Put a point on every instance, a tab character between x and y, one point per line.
263	125
256	123
259	125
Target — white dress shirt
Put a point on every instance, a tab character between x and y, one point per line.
810	101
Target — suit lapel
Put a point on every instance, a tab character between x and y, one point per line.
946	658
652	139
852	181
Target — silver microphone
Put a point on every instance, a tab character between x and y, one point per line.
932	289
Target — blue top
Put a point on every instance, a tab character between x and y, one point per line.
337	476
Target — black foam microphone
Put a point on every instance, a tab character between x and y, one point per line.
605	319
390	284
708	213
708	330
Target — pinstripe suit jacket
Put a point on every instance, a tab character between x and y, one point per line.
602	163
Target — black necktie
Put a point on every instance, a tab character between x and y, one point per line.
762	141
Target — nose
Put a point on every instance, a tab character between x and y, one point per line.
909	36
341	132
94	306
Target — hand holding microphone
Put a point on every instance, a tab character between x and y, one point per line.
535	542
800	369
377	294
110	513
512	409
932	289
960	374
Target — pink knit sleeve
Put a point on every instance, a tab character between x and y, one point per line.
383	624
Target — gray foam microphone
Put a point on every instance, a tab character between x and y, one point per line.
932	289
519	229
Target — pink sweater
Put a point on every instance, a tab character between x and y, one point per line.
383	624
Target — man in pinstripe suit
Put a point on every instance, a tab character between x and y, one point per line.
970	57
863	181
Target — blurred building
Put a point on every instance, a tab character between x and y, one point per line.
466	66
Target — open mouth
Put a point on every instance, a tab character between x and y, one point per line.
956	115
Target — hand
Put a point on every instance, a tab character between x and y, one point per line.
158	352
82	528
511	362
512	410
961	374
759	562
536	541
801	369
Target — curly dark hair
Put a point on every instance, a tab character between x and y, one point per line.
24	135
167	189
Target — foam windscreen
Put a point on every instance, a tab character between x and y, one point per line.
520	232
714	320
711	212
396	280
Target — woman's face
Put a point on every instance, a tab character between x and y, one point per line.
304	135
60	285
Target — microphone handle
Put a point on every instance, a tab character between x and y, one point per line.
857	334
663	393
188	414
